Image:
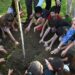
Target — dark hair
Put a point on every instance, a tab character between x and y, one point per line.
54	9
9	17
57	65
38	9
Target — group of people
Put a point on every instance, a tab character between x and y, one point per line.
50	23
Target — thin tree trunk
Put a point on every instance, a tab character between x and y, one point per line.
69	7
73	8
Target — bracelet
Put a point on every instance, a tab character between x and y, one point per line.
58	47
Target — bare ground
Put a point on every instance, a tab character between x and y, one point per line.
15	59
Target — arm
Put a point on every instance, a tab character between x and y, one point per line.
40	3
43	27
65	59
48	65
67	48
29	26
68	35
10	71
65	39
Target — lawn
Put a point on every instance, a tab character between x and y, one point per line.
5	4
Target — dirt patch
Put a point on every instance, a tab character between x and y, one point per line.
14	58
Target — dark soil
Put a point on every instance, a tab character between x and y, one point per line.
15	58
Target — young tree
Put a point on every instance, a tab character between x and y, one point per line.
69	7
73	8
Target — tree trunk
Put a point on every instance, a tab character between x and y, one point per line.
69	7
73	8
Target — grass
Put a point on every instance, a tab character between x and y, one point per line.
5	4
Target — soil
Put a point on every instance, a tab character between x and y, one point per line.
15	58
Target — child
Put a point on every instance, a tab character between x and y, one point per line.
56	26
12	10
6	24
53	66
35	68
69	36
35	16
49	18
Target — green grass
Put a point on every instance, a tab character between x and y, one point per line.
4	4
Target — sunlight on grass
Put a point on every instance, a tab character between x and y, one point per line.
5	4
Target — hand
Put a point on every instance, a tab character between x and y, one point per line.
41	34
16	43
55	51
31	15
41	41
2	60
45	44
10	71
3	50
47	62
34	29
47	48
63	53
27	29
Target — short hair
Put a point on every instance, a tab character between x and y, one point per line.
54	9
57	64
38	9
35	68
9	17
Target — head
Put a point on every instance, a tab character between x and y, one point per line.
56	63
38	11
73	23
35	68
9	17
54	11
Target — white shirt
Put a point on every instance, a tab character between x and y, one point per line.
40	3
10	10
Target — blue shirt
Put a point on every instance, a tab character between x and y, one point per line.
68	35
40	3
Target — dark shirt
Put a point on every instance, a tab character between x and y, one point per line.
48	72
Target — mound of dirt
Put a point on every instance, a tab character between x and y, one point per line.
15	59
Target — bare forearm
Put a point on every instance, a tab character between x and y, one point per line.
60	45
44	25
69	46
